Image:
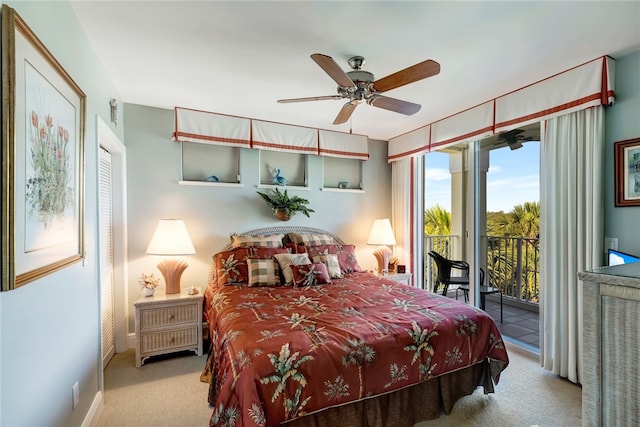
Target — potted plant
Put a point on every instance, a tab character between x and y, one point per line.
284	206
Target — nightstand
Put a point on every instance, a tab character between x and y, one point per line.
166	323
404	278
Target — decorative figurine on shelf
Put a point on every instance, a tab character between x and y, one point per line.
148	283
277	179
343	185
212	178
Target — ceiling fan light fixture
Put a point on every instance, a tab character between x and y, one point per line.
358	86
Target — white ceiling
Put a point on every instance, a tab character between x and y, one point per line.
240	57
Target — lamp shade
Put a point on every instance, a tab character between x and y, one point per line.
171	238
381	233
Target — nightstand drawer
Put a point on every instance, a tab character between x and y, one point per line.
166	340
166	316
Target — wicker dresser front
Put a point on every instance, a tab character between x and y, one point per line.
168	323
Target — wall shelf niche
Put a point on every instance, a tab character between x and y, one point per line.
342	175
202	161
293	167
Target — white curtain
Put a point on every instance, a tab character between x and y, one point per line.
407	214
571	225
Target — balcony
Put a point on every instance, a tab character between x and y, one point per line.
513	266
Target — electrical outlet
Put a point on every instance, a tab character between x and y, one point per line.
75	391
610	243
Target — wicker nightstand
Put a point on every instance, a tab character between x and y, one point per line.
168	323
404	278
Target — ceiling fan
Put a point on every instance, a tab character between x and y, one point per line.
514	138
359	86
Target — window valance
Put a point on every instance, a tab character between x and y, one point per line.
280	137
578	88
345	145
204	127
410	144
220	129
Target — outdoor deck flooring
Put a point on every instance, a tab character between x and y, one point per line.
518	324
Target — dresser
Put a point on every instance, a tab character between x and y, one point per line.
611	350
168	323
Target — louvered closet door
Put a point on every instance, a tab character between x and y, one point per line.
106	258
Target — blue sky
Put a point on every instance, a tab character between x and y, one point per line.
513	178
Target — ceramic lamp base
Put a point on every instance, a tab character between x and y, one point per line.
382	254
172	270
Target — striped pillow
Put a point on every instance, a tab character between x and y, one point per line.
243	241
263	272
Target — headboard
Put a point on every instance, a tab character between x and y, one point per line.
285	230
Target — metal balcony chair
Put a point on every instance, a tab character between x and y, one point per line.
444	267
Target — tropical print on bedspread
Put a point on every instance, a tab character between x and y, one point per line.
281	353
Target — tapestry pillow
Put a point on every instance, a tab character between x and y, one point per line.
263	272
310	275
231	266
285	260
314	250
243	241
348	260
332	263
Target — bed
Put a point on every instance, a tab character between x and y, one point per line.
301	336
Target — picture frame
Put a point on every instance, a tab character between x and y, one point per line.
43	121
627	172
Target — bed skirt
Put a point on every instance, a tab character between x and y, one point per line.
401	408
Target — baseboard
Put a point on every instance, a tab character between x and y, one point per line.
92	417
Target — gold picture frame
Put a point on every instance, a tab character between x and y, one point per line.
627	172
43	119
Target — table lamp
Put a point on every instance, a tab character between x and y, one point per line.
382	235
171	239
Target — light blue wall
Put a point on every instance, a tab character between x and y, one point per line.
622	123
212	213
49	329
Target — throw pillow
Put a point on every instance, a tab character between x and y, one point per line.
263	272
310	274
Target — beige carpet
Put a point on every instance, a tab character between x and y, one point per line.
168	392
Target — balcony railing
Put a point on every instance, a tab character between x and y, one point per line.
513	264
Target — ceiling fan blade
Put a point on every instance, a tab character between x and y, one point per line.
335	72
345	113
397	105
411	74
312	98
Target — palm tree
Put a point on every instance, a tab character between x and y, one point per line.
437	221
525	220
358	353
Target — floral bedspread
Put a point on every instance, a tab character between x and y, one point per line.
283	352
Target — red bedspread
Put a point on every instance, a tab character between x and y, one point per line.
282	352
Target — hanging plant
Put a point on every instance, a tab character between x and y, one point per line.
284	206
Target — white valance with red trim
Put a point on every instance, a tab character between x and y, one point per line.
281	137
476	122
410	144
211	128
345	145
581	87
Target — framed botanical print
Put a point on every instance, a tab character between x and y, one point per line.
627	172
43	119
